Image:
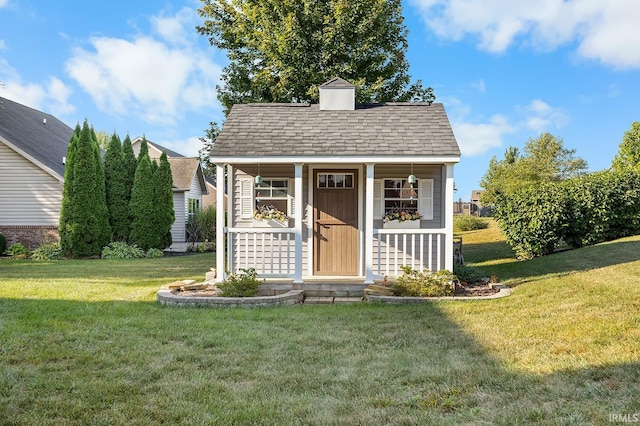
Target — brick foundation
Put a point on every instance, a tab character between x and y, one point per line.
31	236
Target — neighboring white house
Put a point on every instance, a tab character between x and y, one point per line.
33	146
337	170
189	186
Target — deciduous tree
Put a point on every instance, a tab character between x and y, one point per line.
545	159
628	156
281	50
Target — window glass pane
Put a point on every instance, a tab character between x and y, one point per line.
392	183
331	183
339	181
391	193
322	181
348	182
279	193
279	183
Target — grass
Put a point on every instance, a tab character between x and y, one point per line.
84	342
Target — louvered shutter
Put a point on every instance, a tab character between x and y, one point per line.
425	192
377	199
246	198
292	198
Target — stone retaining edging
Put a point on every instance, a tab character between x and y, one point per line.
504	292
291	297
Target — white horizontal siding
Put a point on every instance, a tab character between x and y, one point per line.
28	195
178	227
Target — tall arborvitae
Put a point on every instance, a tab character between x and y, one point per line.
142	202
165	216
67	208
129	170
84	221
118	189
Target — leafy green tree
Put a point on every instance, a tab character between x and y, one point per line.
142	207
628	156
281	50
208	140
84	218
545	159
164	215
118	189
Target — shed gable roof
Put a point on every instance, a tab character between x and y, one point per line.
391	129
24	128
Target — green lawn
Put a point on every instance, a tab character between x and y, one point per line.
84	342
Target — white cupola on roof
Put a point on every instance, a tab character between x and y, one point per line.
337	94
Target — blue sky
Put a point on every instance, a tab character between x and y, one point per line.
505	70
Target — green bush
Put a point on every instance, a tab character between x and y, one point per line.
18	251
122	250
468	274
48	251
3	244
423	284
469	223
533	219
244	284
154	253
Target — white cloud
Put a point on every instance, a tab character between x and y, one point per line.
173	28
540	116
479	86
3	3
479	135
2	44
188	147
604	31
148	78
476	138
51	96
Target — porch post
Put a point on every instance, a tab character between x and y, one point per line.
297	278
368	226
448	221
220	228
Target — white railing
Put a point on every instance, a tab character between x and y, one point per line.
418	248
271	251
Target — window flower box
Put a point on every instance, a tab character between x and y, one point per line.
405	224
270	217
270	223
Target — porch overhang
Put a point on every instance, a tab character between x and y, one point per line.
335	159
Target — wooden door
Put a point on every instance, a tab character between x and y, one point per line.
335	222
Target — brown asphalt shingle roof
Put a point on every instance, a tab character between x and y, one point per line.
273	130
183	170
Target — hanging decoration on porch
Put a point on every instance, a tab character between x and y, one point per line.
258	178
411	180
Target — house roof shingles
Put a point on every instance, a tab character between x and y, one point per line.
24	127
183	169
391	129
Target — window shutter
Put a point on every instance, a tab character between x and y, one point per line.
246	198
292	198
377	199
425	192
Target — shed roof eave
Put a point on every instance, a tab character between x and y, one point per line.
402	159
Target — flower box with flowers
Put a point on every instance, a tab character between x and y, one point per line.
401	220
270	217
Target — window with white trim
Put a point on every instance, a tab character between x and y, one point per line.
396	194
272	192
400	195
335	180
193	206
